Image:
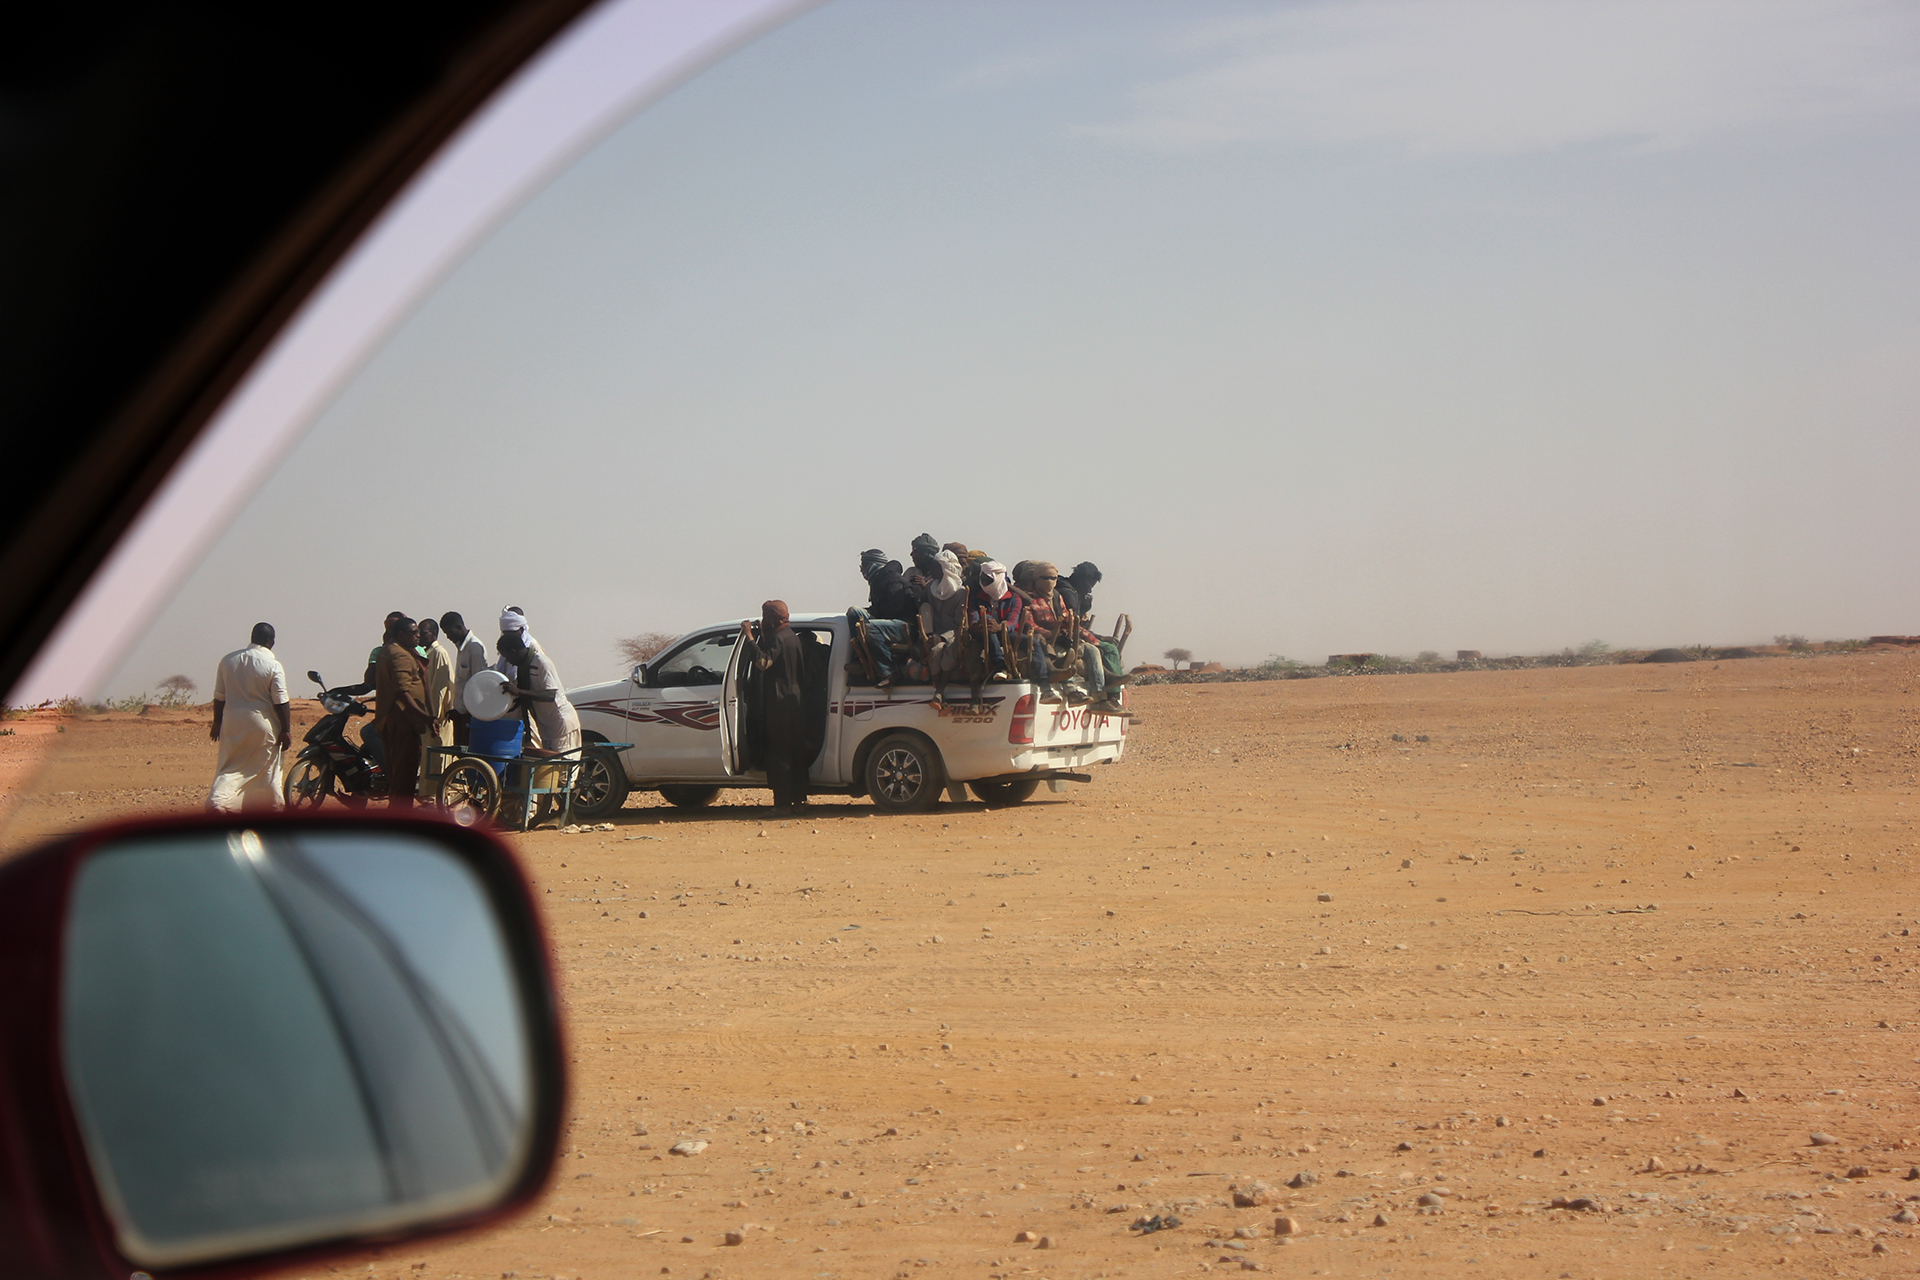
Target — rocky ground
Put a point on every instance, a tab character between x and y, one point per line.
1592	972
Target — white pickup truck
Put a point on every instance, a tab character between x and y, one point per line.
681	711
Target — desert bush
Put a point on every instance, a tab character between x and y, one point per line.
1792	642
1278	662
636	649
1178	656
1427	655
1595	649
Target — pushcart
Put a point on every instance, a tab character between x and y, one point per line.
478	785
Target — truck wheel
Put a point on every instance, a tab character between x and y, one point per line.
682	796
999	795
600	786
904	774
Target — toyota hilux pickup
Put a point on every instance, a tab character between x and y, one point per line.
684	713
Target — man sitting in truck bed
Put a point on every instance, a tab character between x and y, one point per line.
936	580
994	627
886	621
1076	593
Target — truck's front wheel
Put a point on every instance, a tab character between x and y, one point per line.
600	786
904	774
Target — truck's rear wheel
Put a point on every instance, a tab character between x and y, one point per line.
904	774
999	795
682	796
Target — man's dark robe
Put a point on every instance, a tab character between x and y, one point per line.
781	709
395	671
889	596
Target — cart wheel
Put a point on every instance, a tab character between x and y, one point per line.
470	791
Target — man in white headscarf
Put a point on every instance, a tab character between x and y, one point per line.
936	578
252	722
514	619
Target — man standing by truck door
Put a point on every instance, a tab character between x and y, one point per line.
782	711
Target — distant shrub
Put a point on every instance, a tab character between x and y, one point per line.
637	649
1595	649
1278	663
1793	642
1428	655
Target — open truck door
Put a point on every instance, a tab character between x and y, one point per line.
730	698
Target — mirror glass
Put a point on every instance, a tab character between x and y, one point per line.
280	1037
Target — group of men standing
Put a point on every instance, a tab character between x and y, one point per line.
960	614
420	689
419	685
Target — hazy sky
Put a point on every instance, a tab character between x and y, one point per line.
1387	325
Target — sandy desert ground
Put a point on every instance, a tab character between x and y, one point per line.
1405	961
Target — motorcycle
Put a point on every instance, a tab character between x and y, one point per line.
330	765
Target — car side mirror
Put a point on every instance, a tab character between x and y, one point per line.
640	674
240	1039
315	677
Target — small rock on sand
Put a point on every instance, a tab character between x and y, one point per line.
1286	1227
1326	897
736	1237
1381	1220
1304	1178
690	1147
1024	1237
1429	1200
1822	1140
1253	1194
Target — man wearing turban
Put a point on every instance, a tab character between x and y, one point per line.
780	708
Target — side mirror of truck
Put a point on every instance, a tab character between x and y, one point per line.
234	1042
640	674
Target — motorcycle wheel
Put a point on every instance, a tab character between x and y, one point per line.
308	784
470	791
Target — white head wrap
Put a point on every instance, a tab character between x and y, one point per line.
943	587
511	621
993	579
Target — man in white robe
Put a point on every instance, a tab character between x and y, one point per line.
439	664
252	722
470	659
